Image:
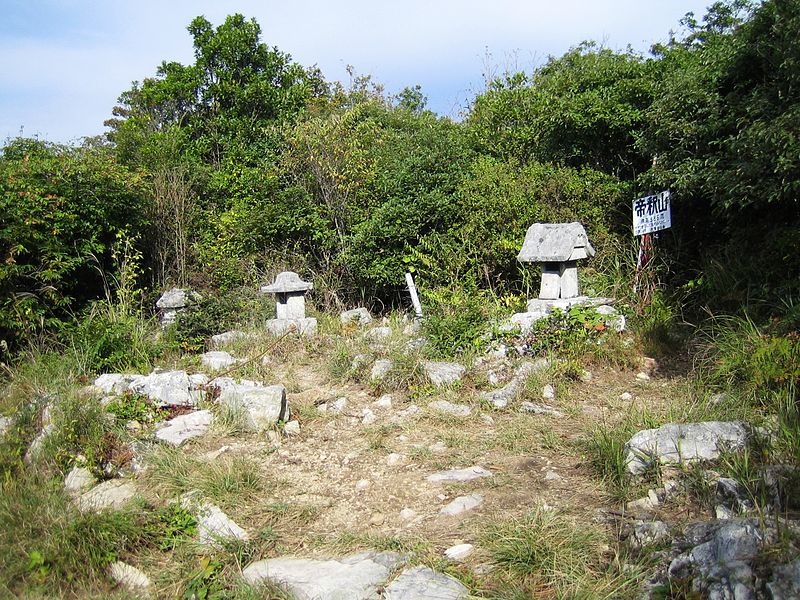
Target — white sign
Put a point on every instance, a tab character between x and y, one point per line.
651	213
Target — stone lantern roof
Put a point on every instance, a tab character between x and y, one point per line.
555	242
287	282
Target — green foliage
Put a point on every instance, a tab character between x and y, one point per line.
61	210
456	319
583	109
172	525
564	332
135	407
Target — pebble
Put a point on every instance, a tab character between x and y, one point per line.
338	405
367	417
362	484
291	428
377	519
643	376
626	396
459	552
407	514
585	376
548	392
384	401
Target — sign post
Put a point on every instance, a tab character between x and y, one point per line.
650	214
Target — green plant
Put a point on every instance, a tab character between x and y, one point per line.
135	407
172	525
456	320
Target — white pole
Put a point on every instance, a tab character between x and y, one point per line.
414	298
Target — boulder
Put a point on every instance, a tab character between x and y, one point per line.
179	430
421	582
684	443
359	316
114	383
785	581
109	495
443	373
263	406
648	533
457	410
459	475
380	369
378	333
166	388
214	527
612	318
38	443
5	424
78	480
356	577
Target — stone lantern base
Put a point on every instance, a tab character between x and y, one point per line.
304	326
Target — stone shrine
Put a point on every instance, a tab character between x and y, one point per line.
290	314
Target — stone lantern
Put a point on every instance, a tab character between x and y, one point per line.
290	293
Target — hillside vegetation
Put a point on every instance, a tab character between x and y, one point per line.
216	175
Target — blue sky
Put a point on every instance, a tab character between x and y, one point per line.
63	63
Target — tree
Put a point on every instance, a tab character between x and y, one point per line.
583	109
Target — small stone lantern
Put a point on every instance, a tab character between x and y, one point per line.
290	292
558	246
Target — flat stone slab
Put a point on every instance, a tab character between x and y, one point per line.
216	360
459	475
420	583
443	373
449	408
285	282
356	577
462	504
555	242
215	527
677	443
185	427
109	495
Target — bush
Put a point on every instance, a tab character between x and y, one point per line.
456	319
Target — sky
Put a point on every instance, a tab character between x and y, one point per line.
64	63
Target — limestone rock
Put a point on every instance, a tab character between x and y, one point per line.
359	316
263	406
305	326
112	494
648	533
292	428
501	397
457	410
462	504
114	383
229	337
682	443
409	411
214	527
785	582
167	388
459	552
37	445
380	369
185	427
443	373
612	317
130	578
459	475
540	409
78	480
384	401
217	360
367	416
548	392
421	582
5	424
356	577
378	333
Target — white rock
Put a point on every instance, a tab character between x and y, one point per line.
585	376
459	475
462	504
185	427
166	388
37	445
539	409
359	316
421	582
384	401
338	405
643	376
263	406
215	454
438	447
112	494
214	527
114	383
443	373
197	380
5	424
487	419
292	428
626	396
458	410
217	360
229	337
367	416
130	578
362	484
394	459
548	392
356	577
459	552
378	333
613	318
684	443
380	369
500	397
407	514
409	411
552	476
78	480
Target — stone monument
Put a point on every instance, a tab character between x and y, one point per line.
559	247
290	293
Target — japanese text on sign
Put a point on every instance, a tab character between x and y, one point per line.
651	213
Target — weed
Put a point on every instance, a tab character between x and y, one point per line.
135	407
